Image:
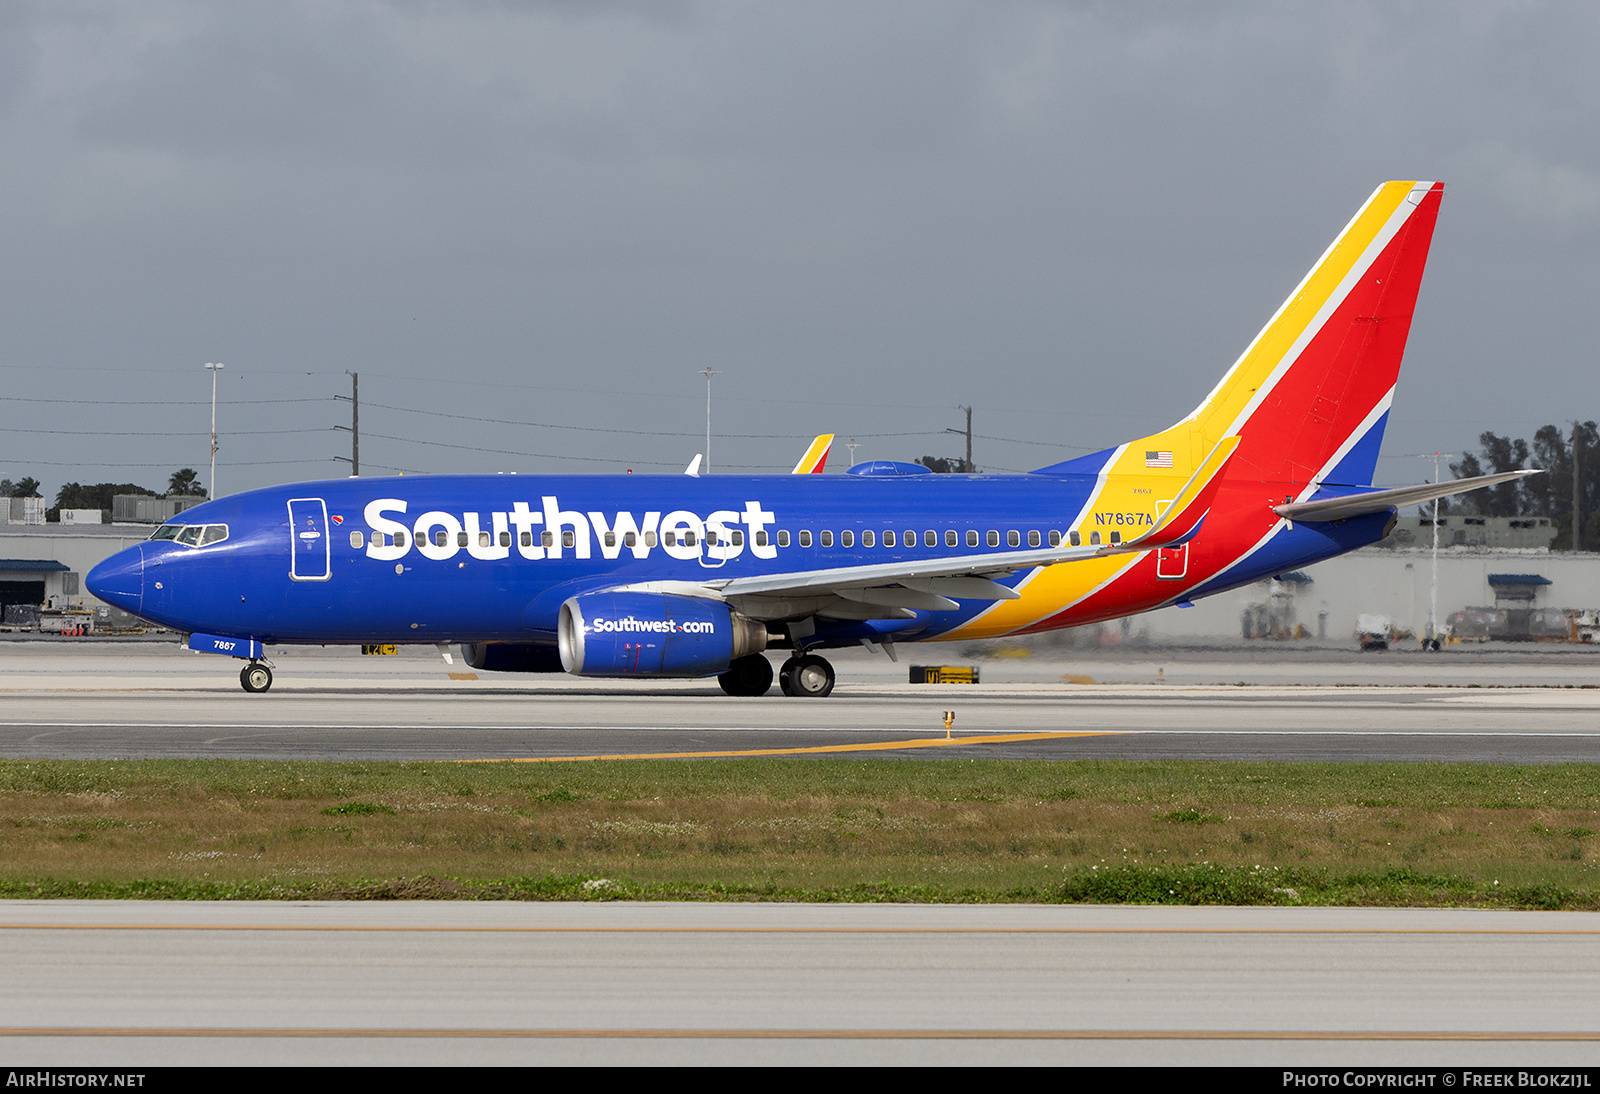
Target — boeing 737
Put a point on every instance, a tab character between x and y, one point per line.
699	576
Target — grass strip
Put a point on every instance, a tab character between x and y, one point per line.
811	829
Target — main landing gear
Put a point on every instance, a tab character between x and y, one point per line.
748	676
256	676
806	676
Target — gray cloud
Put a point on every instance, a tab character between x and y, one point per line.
1072	216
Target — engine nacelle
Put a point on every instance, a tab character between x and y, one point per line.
511	657
653	634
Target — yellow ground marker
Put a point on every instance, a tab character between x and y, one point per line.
870	746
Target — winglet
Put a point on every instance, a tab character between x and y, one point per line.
816	457
694	466
1181	519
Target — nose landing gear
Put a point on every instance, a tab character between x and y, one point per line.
256	676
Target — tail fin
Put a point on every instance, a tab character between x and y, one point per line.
1310	396
816	457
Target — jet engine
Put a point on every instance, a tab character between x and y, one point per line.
653	634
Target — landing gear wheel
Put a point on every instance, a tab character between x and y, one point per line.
747	676
809	677
255	677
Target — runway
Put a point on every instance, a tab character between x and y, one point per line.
146	700
129	983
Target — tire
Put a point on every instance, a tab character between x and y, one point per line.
255	677
748	676
808	677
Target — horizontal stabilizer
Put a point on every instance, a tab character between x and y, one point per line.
1378	501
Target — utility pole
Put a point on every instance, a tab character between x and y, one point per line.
215	367
355	424
852	446
708	373
969	469
1577	487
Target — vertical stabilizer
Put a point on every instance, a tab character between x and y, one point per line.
1310	396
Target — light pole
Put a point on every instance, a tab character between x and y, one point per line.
214	368
708	373
1433	583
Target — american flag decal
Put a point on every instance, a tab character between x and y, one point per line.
1158	459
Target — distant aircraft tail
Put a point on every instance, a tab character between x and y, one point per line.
1309	398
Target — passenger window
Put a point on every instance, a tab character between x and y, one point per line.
649	539
216	533
1033	538
783	538
738	539
547	539
1116	537
1075	539
356	540
930	538
909	538
399	539
827	539
950	538
711	538
972	537
1055	538
805	539
761	539
672	539
440	537
1094	539
526	538
568	538
688	539
994	538
629	539
485	539
505	539
611	539
1012	539
190	536
461	539
869	538
847	538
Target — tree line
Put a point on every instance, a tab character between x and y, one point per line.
185	482
1548	495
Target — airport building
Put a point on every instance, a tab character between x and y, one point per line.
1483	593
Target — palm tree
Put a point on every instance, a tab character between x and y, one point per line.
183	484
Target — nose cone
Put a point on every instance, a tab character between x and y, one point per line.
119	580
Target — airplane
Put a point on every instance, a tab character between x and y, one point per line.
674	576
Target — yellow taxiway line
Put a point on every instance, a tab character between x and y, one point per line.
870	746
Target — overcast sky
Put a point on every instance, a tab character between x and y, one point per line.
1072	216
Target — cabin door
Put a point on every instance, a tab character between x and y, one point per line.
310	553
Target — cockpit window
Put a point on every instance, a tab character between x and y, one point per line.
192	535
